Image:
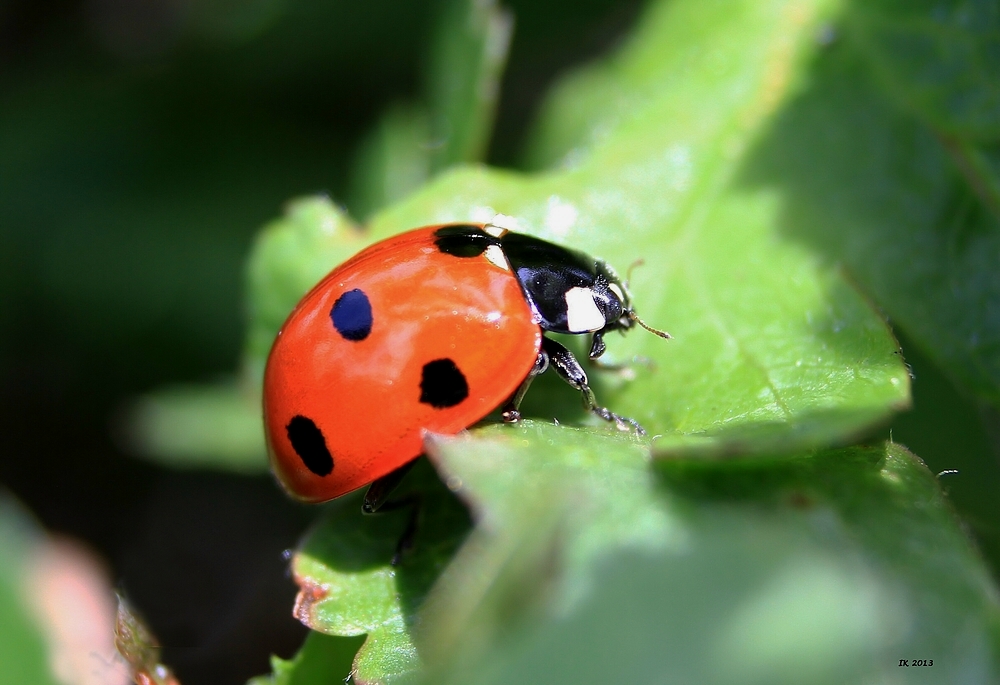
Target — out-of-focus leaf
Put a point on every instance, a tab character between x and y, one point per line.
466	61
980	164
876	191
25	658
548	501
392	162
233	22
951	435
941	59
822	569
463	80
214	426
349	587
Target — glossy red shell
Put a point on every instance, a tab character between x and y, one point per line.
365	396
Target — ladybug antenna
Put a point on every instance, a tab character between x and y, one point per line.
631	313
656	331
628	274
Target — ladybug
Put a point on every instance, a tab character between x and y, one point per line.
430	330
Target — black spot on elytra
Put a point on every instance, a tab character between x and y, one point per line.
307	441
442	384
463	241
352	315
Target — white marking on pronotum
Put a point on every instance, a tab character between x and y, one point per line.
495	231
582	313
495	255
617	291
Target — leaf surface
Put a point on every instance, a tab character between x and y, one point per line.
940	59
755	166
876	190
821	569
349	587
649	147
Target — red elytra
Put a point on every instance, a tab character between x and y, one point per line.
445	342
430	330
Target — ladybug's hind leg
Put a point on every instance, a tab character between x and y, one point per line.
377	496
570	370
377	501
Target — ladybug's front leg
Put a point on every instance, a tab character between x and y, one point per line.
570	370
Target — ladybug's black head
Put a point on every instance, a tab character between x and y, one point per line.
612	297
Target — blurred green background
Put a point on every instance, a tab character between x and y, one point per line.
142	146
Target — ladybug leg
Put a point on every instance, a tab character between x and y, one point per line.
597	347
510	413
570	370
405	542
378	492
377	501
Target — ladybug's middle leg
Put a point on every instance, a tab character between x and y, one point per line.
570	370
510	412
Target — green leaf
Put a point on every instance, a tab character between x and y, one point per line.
201	426
875	190
25	657
952	435
453	125
392	161
822	569
980	164
321	659
653	143
463	79
139	649
349	587
547	502
769	341
941	59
